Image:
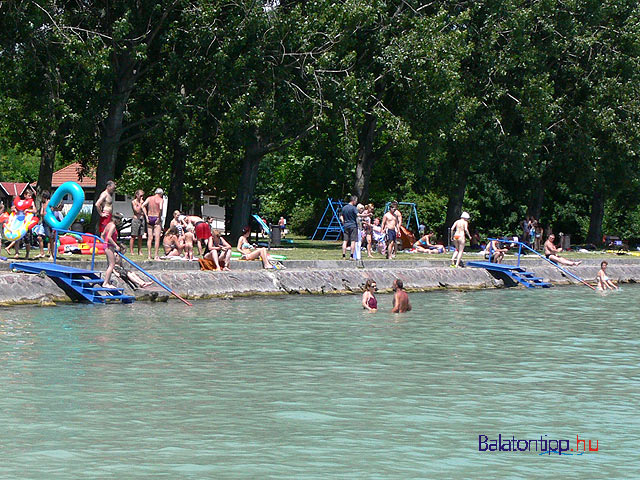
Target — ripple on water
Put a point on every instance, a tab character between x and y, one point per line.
313	387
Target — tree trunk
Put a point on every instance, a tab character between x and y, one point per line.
197	202
457	190
47	163
595	220
246	188
176	185
366	158
125	73
536	200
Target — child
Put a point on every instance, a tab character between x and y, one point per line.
109	237
189	237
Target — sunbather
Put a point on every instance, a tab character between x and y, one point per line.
249	252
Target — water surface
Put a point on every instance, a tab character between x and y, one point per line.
313	387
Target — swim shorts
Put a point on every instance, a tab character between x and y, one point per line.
104	221
137	227
391	235
350	234
203	231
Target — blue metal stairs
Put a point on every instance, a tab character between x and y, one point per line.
334	229
515	273
81	285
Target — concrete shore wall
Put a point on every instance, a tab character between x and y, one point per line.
300	277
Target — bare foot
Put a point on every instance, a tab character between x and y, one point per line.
575	264
157	258
108	285
147	284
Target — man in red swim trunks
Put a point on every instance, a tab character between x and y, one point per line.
104	205
203	232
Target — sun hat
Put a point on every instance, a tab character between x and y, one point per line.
465	215
159	191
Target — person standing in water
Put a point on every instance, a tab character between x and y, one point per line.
604	283
369	301
401	302
459	234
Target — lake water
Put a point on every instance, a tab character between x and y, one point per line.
312	387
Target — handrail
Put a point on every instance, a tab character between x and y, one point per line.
520	245
93	255
93	252
131	262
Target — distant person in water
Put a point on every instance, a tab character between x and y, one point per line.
551	252
401	302
369	301
604	283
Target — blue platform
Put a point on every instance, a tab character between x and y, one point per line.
81	285
514	273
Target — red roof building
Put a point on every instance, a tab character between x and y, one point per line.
12	189
71	173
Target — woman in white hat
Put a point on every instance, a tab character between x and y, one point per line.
459	229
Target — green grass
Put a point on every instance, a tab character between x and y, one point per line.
304	249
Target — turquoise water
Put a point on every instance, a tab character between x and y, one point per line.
313	387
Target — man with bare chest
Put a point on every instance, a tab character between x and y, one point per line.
152	210
390	228
104	205
137	222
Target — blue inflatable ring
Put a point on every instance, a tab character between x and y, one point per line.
77	194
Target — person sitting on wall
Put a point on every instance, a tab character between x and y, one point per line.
494	252
551	252
249	252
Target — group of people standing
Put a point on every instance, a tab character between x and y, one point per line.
359	225
39	232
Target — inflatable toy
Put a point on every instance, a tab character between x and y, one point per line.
18	223
74	243
77	195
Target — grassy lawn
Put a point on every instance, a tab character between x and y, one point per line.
304	249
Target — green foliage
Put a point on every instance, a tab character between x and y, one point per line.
304	218
498	100
17	165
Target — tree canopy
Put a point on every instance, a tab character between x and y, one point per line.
503	109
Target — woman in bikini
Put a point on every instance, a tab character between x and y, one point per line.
220	253
369	301
459	229
424	245
604	282
171	244
249	252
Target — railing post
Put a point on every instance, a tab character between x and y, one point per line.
55	246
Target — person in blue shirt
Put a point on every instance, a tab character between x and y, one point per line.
349	217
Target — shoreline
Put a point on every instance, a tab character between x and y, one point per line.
315	277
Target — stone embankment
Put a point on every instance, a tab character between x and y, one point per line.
299	277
